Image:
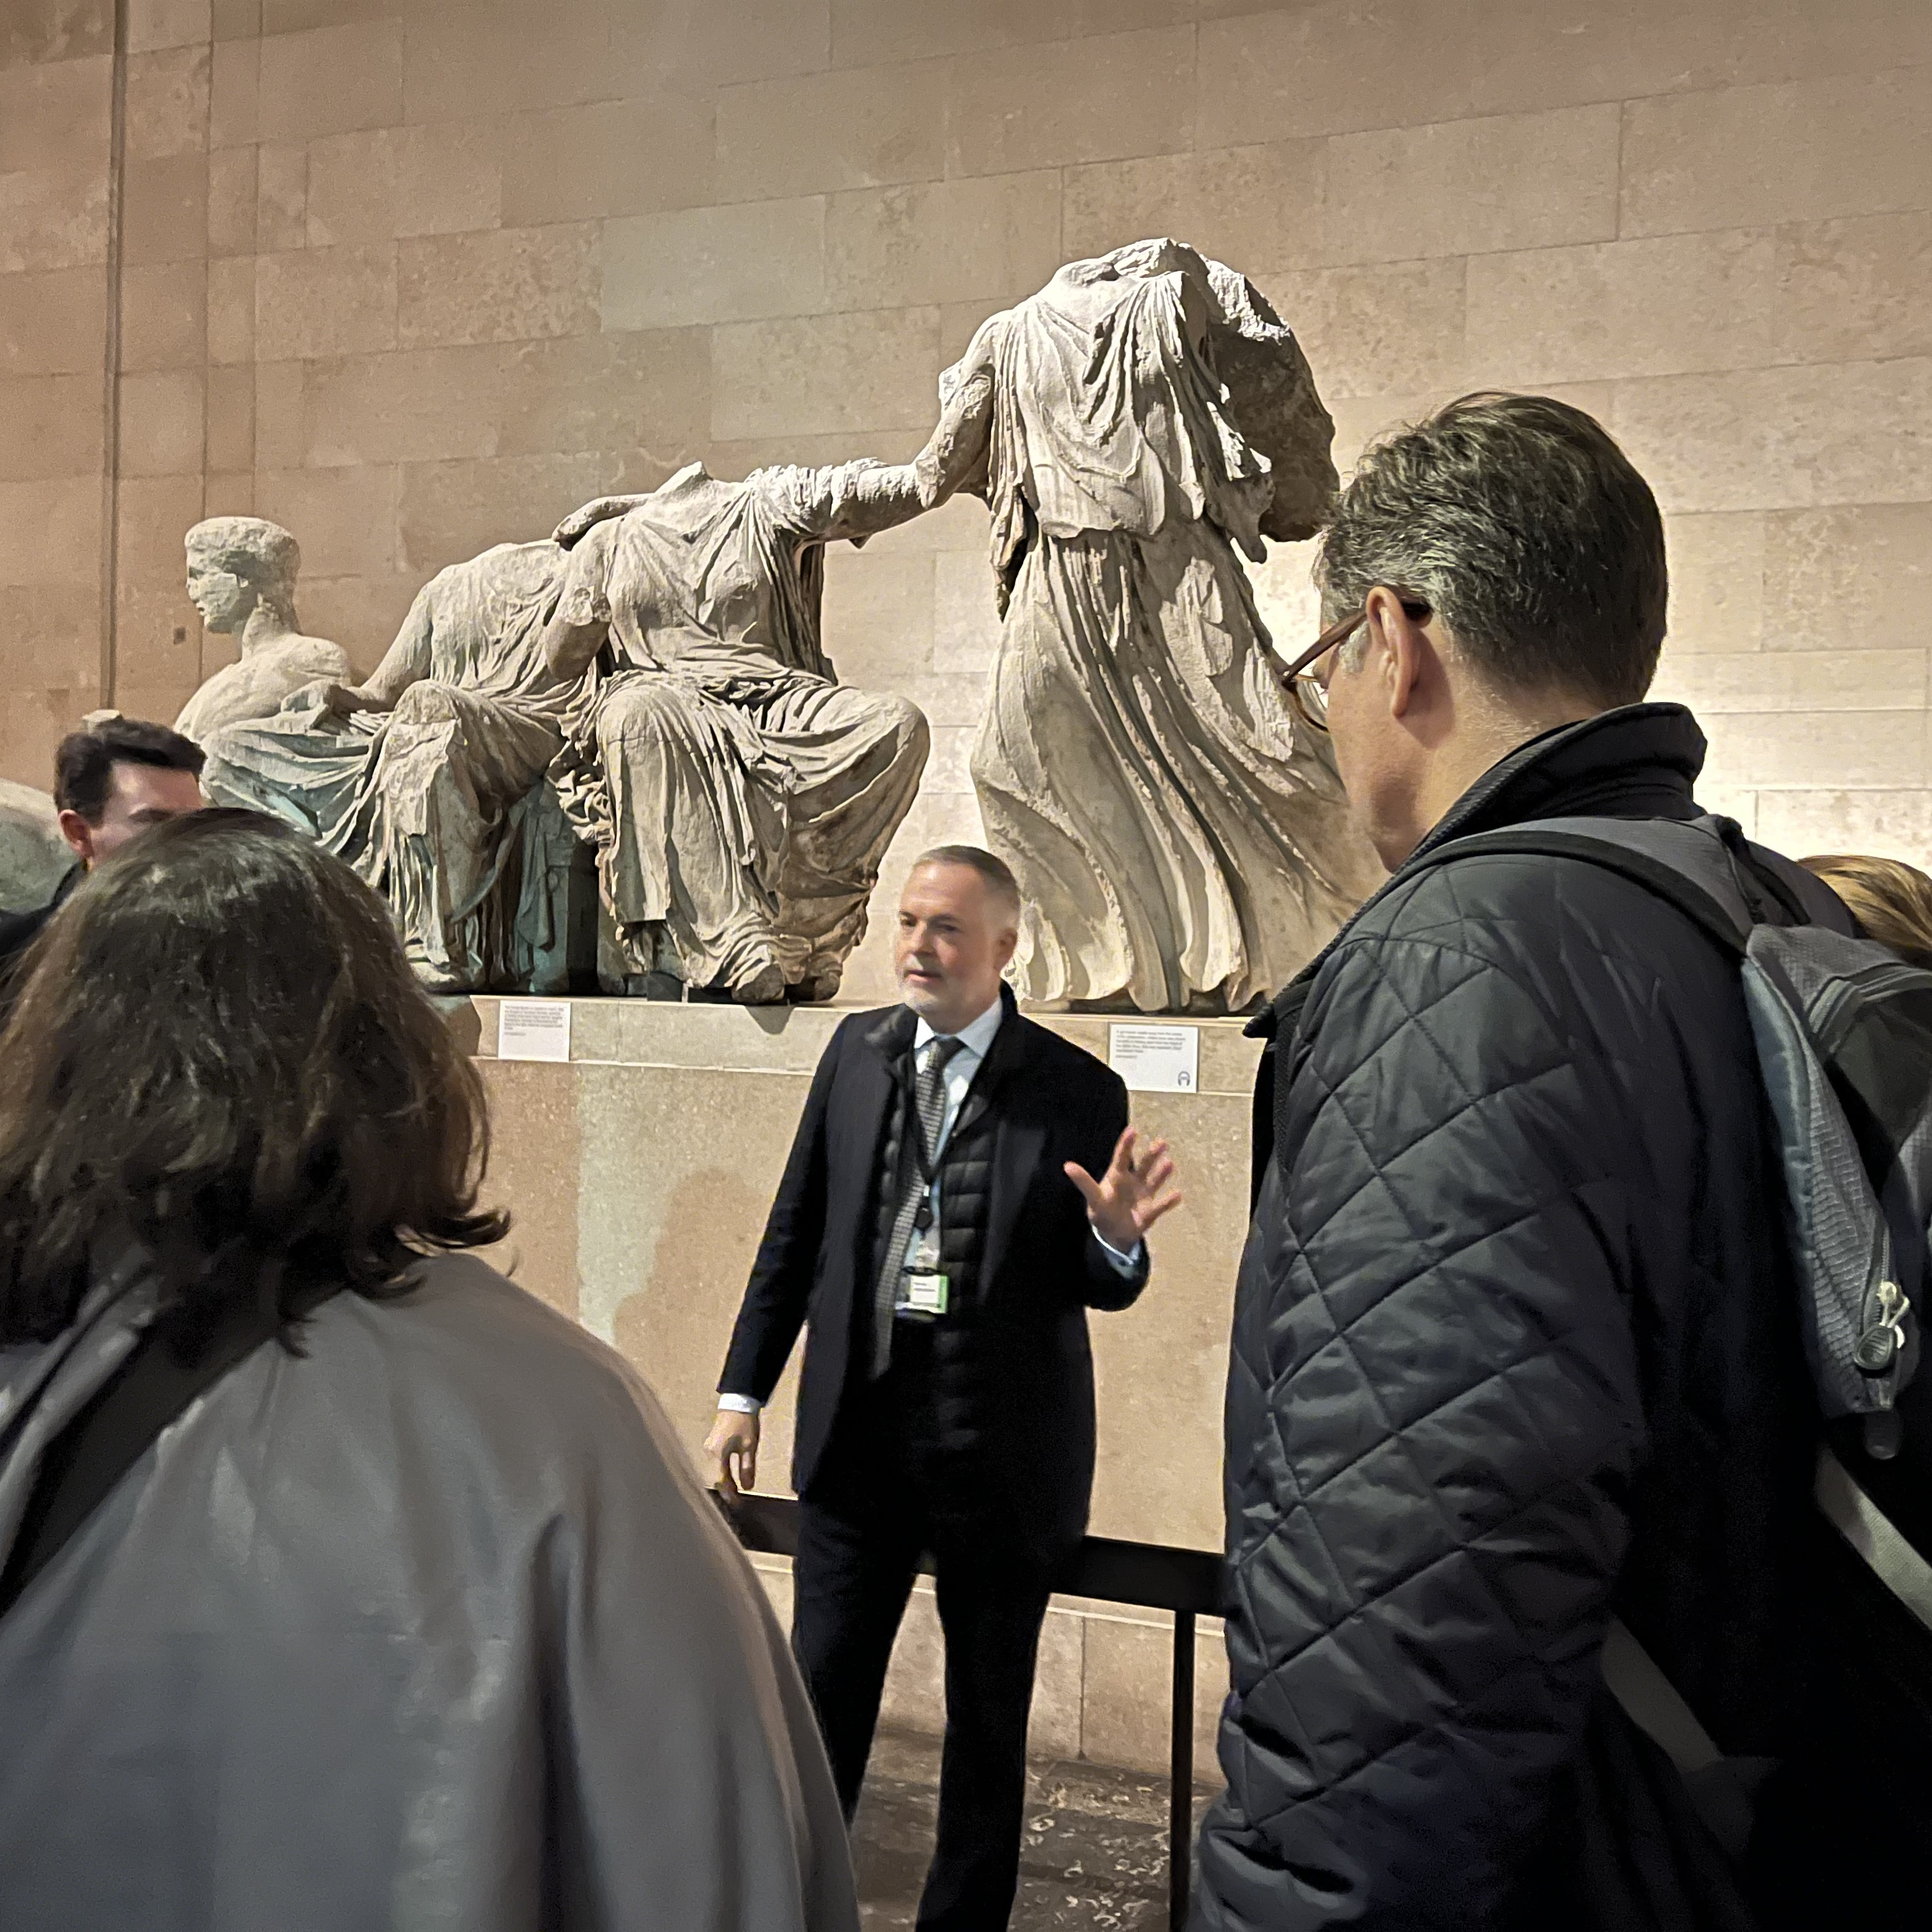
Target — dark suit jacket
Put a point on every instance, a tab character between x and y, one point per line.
18	930
1022	1349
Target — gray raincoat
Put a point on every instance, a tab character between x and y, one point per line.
427	1627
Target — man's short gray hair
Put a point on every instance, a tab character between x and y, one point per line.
997	874
1529	531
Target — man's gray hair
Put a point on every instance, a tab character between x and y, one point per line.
997	874
1530	533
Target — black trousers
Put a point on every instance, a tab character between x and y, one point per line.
876	1506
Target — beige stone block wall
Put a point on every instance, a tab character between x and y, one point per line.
428	271
57	76
755	233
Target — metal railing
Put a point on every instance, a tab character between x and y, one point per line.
1149	1576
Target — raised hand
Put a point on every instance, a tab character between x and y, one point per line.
1128	1199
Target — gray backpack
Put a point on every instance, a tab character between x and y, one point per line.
1843	1033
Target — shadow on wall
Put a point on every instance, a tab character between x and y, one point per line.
534	1163
674	1327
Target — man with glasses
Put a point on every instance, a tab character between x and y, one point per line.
1515	1347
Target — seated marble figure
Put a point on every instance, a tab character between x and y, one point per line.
241	577
739	798
655	670
421	777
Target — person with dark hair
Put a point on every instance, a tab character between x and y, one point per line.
1517	1366
940	1229
342	1582
111	781
1892	901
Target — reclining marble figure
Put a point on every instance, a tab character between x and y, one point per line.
1180	840
241	578
423	777
739	798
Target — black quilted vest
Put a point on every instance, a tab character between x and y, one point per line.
965	1195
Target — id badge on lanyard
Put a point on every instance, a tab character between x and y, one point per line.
924	1288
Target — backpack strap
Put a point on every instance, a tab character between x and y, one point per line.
1873	1535
174	1361
1722	1790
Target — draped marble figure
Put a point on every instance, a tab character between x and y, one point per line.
241	577
654	673
421	777
1181	843
739	798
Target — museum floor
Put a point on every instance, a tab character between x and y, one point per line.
1094	1858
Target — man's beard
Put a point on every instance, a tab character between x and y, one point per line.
921	998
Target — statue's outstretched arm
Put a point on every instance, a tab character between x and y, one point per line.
406	662
878	496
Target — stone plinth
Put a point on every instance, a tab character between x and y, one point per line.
639	1173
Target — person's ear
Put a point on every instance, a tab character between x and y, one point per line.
78	835
1005	947
1406	657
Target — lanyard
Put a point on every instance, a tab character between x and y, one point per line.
923	1214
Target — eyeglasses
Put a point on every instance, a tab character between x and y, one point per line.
1308	693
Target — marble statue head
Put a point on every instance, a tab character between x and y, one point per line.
235	563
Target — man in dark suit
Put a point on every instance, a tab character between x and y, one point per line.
940	1228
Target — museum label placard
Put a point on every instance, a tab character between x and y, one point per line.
533	1030
1156	1059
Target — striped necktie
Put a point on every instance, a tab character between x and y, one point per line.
929	1104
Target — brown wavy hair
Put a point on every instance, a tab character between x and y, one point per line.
1892	901
218	1050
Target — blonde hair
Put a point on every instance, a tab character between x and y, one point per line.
1891	900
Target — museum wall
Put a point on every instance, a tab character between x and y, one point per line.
56	371
413	278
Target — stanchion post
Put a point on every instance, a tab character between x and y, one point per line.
1180	1774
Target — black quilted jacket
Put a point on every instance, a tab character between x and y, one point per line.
1513	1344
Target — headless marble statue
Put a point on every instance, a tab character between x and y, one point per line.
241	578
739	798
1181	842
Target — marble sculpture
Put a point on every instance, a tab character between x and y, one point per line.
419	778
652	681
241	577
739	798
1180	841
654	672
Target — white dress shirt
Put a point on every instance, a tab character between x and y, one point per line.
974	1039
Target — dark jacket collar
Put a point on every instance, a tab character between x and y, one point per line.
1639	761
891	1036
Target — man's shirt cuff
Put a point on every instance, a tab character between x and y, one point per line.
1123	1264
740	1404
